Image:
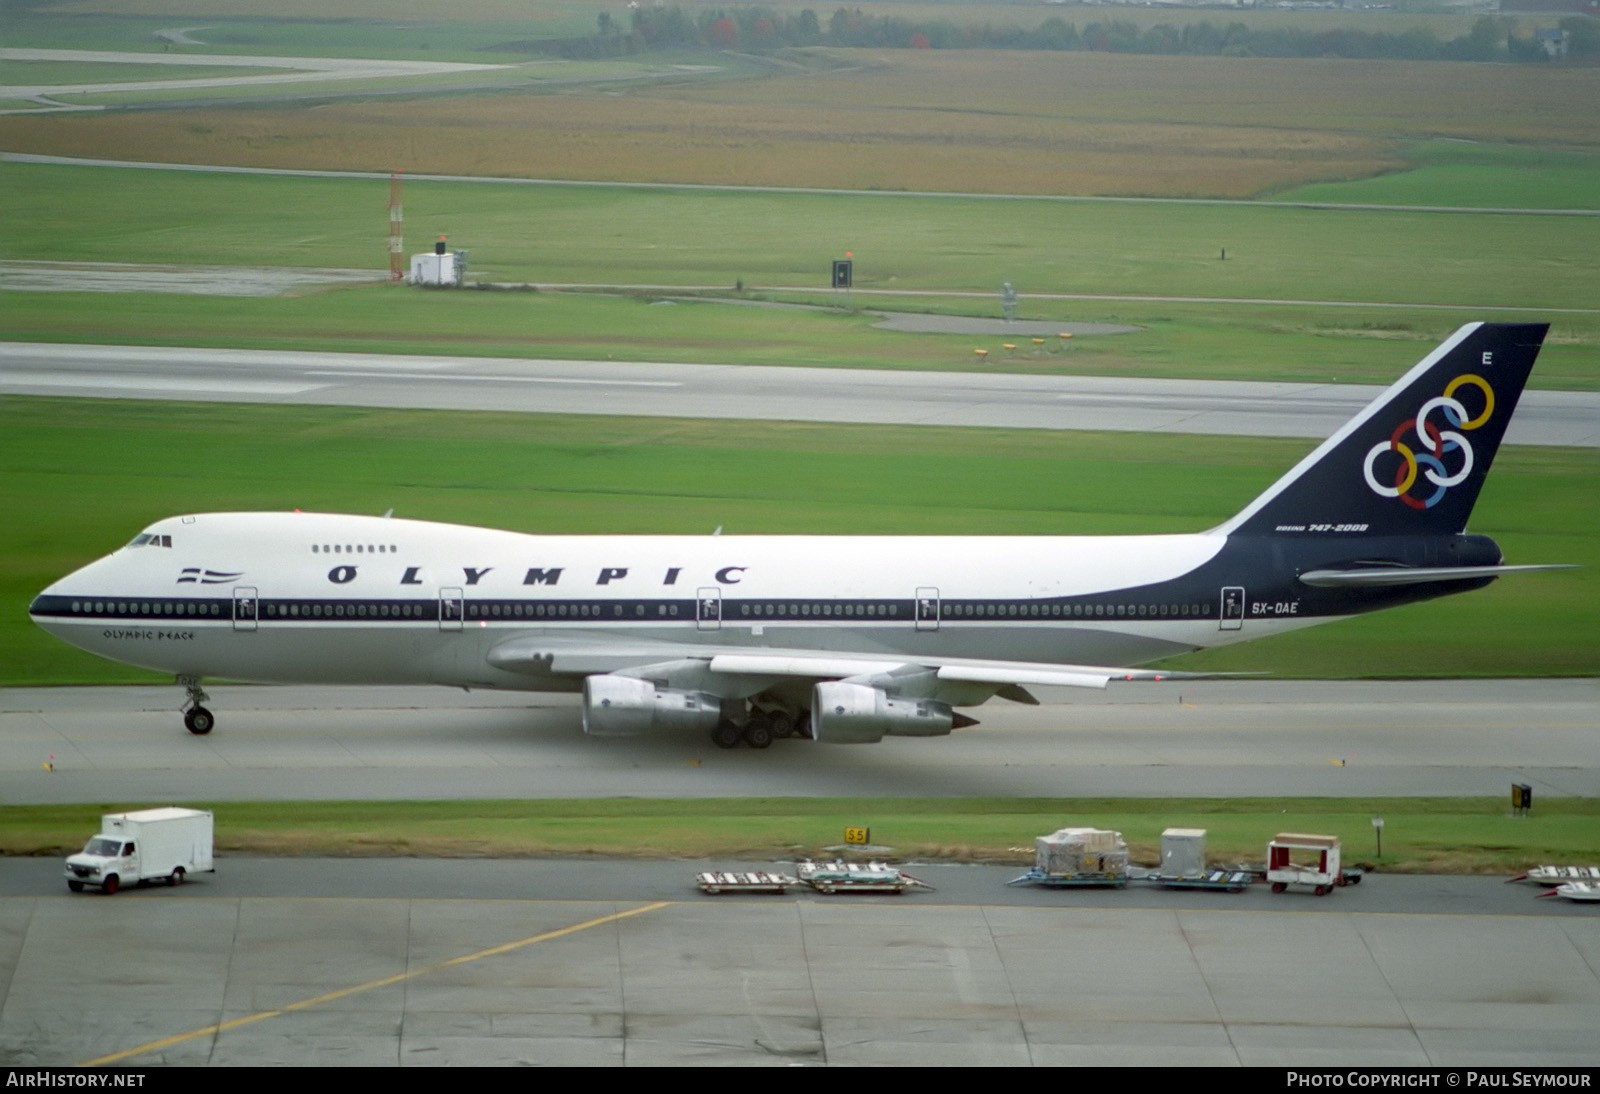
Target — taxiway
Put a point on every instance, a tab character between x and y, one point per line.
752	392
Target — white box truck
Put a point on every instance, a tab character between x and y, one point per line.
168	844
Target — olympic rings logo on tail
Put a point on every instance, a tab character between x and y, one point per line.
1437	447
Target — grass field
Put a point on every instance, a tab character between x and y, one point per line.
1473	174
1219	342
1519	136
1468	835
671	236
92	473
668	236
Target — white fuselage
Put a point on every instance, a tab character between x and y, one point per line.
308	597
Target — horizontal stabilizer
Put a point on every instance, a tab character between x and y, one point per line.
1420	575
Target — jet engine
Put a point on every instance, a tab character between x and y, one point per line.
623	706
846	713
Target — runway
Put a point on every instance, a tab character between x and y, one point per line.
1221	738
753	392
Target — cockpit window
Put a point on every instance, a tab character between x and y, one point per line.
145	539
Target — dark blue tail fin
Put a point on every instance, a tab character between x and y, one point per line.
1413	461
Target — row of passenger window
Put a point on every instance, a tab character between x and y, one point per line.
354	549
164	608
341	609
581	610
849	608
344	609
1076	611
473	610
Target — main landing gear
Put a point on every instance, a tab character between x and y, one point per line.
760	728
196	718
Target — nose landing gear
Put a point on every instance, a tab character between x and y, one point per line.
196	718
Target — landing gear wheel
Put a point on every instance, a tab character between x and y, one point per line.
782	724
757	733
726	735
199	720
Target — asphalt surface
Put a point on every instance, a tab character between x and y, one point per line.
1218	738
752	392
620	880
419	962
295	70
382	962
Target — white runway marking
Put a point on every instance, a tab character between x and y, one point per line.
452	377
738	392
97	383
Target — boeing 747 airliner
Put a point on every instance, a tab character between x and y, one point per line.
838	638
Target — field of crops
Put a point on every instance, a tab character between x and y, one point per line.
1007	122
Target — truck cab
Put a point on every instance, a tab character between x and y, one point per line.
106	862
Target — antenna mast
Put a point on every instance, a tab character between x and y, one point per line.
396	273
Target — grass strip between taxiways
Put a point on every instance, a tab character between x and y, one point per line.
1424	835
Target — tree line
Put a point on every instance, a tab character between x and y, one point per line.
758	30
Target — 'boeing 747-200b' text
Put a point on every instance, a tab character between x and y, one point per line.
842	638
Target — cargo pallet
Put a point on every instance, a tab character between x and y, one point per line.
1070	881
1226	881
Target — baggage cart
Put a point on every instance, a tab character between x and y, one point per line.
851	877
744	881
1301	858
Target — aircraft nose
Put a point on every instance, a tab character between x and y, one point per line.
55	598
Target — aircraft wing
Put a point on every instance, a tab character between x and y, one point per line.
999	673
737	669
